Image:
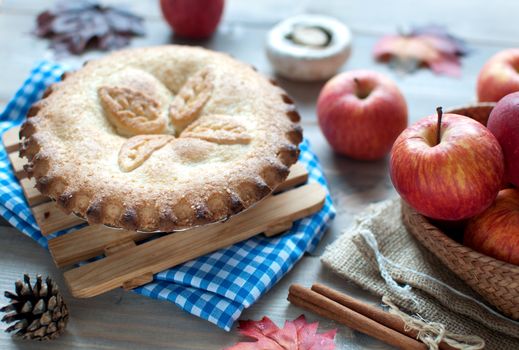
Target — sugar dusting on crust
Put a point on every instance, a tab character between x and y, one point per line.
72	147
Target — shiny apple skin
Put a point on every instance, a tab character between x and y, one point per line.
453	180
361	128
499	76
504	124
194	19
495	232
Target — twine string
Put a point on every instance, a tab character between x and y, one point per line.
381	263
433	333
430	333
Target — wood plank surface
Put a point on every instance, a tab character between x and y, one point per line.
89	242
17	164
121	320
11	140
51	219
33	196
246	42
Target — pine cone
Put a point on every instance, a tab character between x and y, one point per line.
39	311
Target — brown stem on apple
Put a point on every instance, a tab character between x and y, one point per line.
357	85
361	92
439	112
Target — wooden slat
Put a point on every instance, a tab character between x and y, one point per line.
88	242
112	249
33	196
50	218
138	281
18	164
11	139
298	175
276	230
151	257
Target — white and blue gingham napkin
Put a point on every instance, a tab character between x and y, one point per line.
216	287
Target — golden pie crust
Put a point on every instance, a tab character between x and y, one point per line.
160	139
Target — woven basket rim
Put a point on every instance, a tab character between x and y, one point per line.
472	105
446	240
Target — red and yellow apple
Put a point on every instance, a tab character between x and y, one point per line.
451	175
495	232
504	124
499	76
361	113
194	19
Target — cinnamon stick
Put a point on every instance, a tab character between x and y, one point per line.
321	305
382	317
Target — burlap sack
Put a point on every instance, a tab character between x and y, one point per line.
379	255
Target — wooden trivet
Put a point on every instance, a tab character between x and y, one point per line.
128	264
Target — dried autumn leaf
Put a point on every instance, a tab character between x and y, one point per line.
220	129
429	46
137	149
457	45
295	335
74	26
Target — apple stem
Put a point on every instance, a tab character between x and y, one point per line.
439	112
361	93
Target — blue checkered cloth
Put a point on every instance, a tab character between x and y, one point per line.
216	287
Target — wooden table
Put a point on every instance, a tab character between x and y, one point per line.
126	320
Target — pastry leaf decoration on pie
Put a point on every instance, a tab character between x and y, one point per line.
139	148
132	112
220	129
190	100
138	116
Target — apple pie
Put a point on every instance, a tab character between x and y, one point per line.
160	139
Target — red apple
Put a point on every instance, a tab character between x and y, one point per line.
361	113
499	76
453	175
194	19
495	232
504	124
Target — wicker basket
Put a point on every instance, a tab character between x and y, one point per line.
495	280
479	111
